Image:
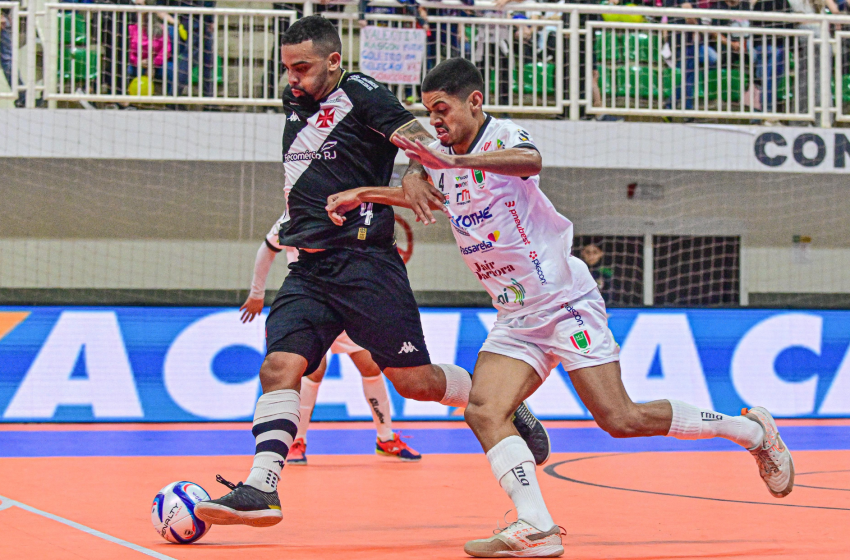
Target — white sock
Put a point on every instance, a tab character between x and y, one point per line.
309	392
690	422
513	466
458	385
275	425
379	401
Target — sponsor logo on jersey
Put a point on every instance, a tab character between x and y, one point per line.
325	118
524	136
576	314
533	256
482	247
500	145
361	233
478	176
293	117
487	146
494	236
463	197
487	270
512	209
363	81
581	341
326	152
516	290
475	219
462	182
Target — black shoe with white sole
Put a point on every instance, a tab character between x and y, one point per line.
244	505
532	431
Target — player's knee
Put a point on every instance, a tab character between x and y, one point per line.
281	370
483	417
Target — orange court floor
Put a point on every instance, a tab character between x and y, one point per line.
634	504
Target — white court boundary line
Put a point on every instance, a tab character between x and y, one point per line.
6	503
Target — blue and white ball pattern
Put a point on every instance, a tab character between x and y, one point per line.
173	512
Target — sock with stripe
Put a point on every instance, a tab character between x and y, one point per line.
513	466
379	401
690	422
309	393
275	425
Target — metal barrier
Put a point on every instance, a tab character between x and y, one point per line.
159	54
9	40
641	67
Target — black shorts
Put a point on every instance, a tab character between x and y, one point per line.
365	293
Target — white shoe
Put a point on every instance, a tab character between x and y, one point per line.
776	466
518	540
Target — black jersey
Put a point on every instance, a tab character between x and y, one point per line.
340	143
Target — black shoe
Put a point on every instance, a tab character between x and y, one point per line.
245	505
532	431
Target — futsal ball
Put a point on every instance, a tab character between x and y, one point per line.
173	512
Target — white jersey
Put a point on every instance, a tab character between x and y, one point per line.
273	239
508	232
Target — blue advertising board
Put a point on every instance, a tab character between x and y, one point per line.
164	364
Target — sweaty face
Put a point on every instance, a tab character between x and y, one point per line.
308	70
451	116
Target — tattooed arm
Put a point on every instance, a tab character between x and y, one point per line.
420	194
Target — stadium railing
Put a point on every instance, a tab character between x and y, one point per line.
11	16
641	64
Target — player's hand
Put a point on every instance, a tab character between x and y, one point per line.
251	308
340	203
432	159
422	196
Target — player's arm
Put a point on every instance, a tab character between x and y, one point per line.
253	306
517	162
340	203
420	194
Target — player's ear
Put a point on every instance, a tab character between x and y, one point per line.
476	101
334	61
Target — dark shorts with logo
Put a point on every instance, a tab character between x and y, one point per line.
365	293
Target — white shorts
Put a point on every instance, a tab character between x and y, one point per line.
575	334
344	345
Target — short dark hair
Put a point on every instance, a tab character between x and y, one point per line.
456	76
317	29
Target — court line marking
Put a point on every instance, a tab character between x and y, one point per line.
6	503
550	470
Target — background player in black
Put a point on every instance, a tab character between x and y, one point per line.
338	136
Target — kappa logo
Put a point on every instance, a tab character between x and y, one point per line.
293	117
326	119
407	348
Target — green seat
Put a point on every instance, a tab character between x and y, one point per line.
74	65
640	82
219	77
641	48
528	72
845	90
72	26
615	46
713	90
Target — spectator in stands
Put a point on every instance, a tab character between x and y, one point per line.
112	27
149	46
7	48
801	53
768	56
199	54
593	256
690	51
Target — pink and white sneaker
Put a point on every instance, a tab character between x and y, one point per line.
776	466
520	539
